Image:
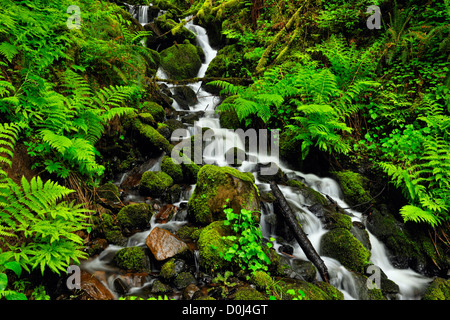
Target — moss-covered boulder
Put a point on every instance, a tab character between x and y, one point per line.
134	216
439	289
183	279
154	184
172	267
132	259
211	244
173	169
152	141
249	293
155	110
181	61
217	187
354	186
341	245
109	191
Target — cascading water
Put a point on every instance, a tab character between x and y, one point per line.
411	284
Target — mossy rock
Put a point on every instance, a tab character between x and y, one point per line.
152	140
109	191
133	259
134	216
214	186
354	187
341	245
211	244
311	196
438	290
154	184
174	170
228	118
147	118
183	279
172	267
155	110
181	61
318	291
249	293
261	279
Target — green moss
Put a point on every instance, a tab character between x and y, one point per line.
155	183
228	118
341	245
183	279
147	118
185	232
210	244
132	258
311	195
353	186
248	293
321	291
109	191
152	136
438	290
168	269
181	61
134	216
261	279
172	169
155	110
217	184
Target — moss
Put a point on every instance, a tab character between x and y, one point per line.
438	290
168	269
311	195
248	293
261	279
147	118
210	244
353	186
181	61
109	191
229	118
183	279
321	291
172	169
134	216
217	184
152	136
154	183
116	237
132	258
155	110
341	245
185	232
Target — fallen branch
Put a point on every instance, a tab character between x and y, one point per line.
298	232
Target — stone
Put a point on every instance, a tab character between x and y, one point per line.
189	291
134	216
184	279
94	289
164	245
166	213
181	61
133	259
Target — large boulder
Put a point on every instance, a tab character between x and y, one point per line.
341	245
154	184
181	61
133	259
134	216
164	245
217	187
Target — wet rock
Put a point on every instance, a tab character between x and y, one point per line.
305	269
217	187
235	157
133	259
109	191
190	291
173	267
341	245
270	172
93	288
185	97
164	245
159	287
134	216
166	213
184	279
359	231
181	61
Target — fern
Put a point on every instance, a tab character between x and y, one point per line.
8	50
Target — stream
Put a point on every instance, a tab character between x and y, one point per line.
411	283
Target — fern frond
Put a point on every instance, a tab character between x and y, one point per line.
8	50
416	214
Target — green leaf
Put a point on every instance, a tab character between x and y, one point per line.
3	281
14	266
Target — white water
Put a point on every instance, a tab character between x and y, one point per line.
411	284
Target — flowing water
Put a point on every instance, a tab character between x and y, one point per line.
411	283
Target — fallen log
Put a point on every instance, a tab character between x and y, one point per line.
298	232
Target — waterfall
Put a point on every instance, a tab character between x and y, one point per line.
411	284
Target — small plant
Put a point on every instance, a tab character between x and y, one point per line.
247	252
6	264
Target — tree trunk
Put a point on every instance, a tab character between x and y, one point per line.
298	232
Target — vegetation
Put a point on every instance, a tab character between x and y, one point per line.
79	104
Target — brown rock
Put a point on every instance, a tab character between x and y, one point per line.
163	244
166	213
94	288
